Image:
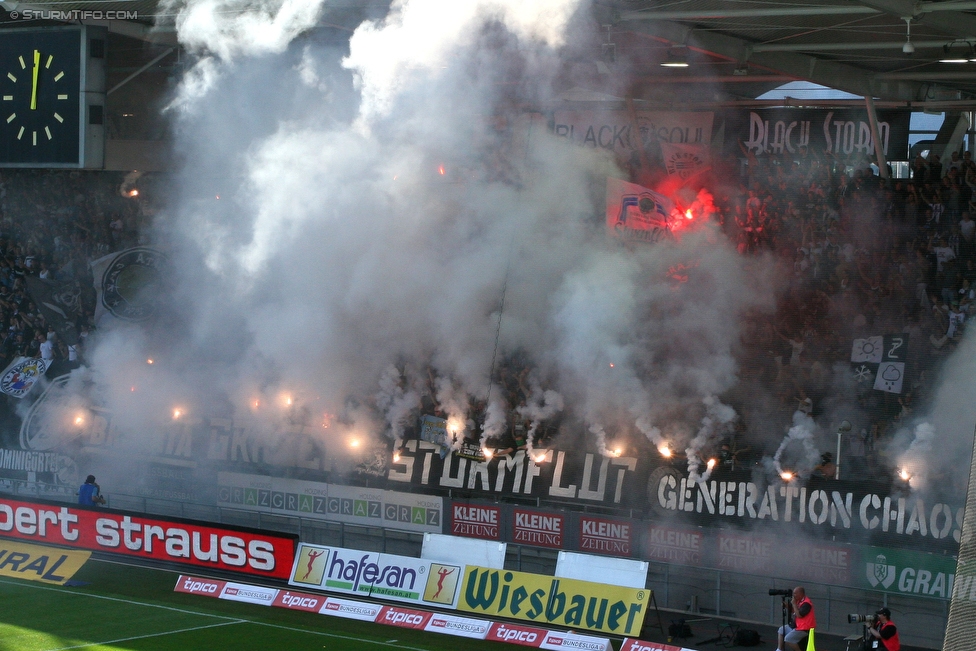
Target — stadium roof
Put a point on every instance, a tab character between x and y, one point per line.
735	49
858	46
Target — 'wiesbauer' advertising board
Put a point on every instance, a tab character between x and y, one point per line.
548	600
250	552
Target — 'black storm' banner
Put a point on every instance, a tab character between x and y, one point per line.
840	133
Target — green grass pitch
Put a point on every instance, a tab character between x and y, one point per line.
134	608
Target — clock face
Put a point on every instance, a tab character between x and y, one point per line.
39	96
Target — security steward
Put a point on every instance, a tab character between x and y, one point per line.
883	632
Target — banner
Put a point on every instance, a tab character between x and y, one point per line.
385	576
613	537
686	160
20	377
476	521
614	130
640	645
60	304
671	545
548	600
538	528
881	358
433	430
840	133
127	284
309	499
38	563
175	541
637	213
899	571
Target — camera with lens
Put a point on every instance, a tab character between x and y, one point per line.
780	593
855	618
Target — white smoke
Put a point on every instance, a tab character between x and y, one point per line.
336	251
220	31
418	39
495	415
396	403
914	462
802	432
716	422
540	405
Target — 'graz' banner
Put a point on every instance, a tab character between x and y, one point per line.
318	500
840	133
848	511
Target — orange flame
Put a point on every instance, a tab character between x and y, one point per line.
688	214
440	170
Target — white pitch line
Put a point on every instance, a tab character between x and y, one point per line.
342	637
124	601
142	637
232	620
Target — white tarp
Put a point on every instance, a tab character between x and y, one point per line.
602	569
464	551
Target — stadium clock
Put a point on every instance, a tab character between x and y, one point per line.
46	98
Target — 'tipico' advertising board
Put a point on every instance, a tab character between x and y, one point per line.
387	576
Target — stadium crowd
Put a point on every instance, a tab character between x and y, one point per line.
863	257
53	224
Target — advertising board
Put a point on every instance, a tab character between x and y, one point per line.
386	576
176	541
549	600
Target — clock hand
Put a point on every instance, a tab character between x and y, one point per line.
37	65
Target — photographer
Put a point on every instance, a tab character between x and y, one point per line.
884	632
802	619
89	494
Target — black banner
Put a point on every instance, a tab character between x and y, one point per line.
840	133
844	511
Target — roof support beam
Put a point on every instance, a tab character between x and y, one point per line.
948	19
772	12
896	7
802	66
844	47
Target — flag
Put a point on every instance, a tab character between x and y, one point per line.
890	377
127	283
60	304
881	359
637	213
21	376
685	160
868	350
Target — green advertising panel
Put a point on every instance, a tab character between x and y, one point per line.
906	572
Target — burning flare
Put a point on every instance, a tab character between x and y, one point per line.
786	475
665	451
